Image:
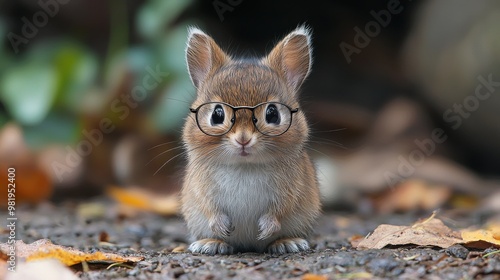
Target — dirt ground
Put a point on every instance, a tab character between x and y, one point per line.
84	226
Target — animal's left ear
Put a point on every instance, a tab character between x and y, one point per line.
292	57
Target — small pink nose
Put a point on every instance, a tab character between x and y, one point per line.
243	143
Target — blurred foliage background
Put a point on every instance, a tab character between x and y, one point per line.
67	65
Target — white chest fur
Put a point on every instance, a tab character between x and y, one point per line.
244	190
245	193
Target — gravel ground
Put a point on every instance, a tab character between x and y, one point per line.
84	226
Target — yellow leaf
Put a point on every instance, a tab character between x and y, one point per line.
356	275
179	249
475	238
44	249
144	200
310	276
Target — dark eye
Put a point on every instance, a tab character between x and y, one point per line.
217	115
272	115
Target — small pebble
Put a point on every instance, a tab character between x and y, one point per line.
423	257
381	265
344	259
457	251
365	258
493	266
177	271
133	272
189	261
339	244
477	262
421	271
397	271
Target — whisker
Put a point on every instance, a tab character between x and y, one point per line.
162	144
179	100
328	140
334	144
178	131
328	131
317	151
181	154
164	152
174	157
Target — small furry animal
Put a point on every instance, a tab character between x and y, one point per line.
250	184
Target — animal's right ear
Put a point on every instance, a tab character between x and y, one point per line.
203	56
292	56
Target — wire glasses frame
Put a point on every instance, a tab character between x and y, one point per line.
269	118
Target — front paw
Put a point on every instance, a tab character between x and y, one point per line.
221	225
268	225
211	247
288	245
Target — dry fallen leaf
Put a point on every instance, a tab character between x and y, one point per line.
31	182
41	270
144	200
44	249
92	210
412	195
482	238
355	239
179	249
355	275
310	276
431	232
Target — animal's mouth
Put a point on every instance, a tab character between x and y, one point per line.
244	153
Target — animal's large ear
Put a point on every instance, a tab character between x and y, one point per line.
203	55
292	56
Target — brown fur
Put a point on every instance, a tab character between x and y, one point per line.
267	201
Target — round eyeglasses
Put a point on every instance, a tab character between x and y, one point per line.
269	118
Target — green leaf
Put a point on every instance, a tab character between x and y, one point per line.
3	35
173	106
5	57
138	59
28	91
172	50
77	70
57	127
3	120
